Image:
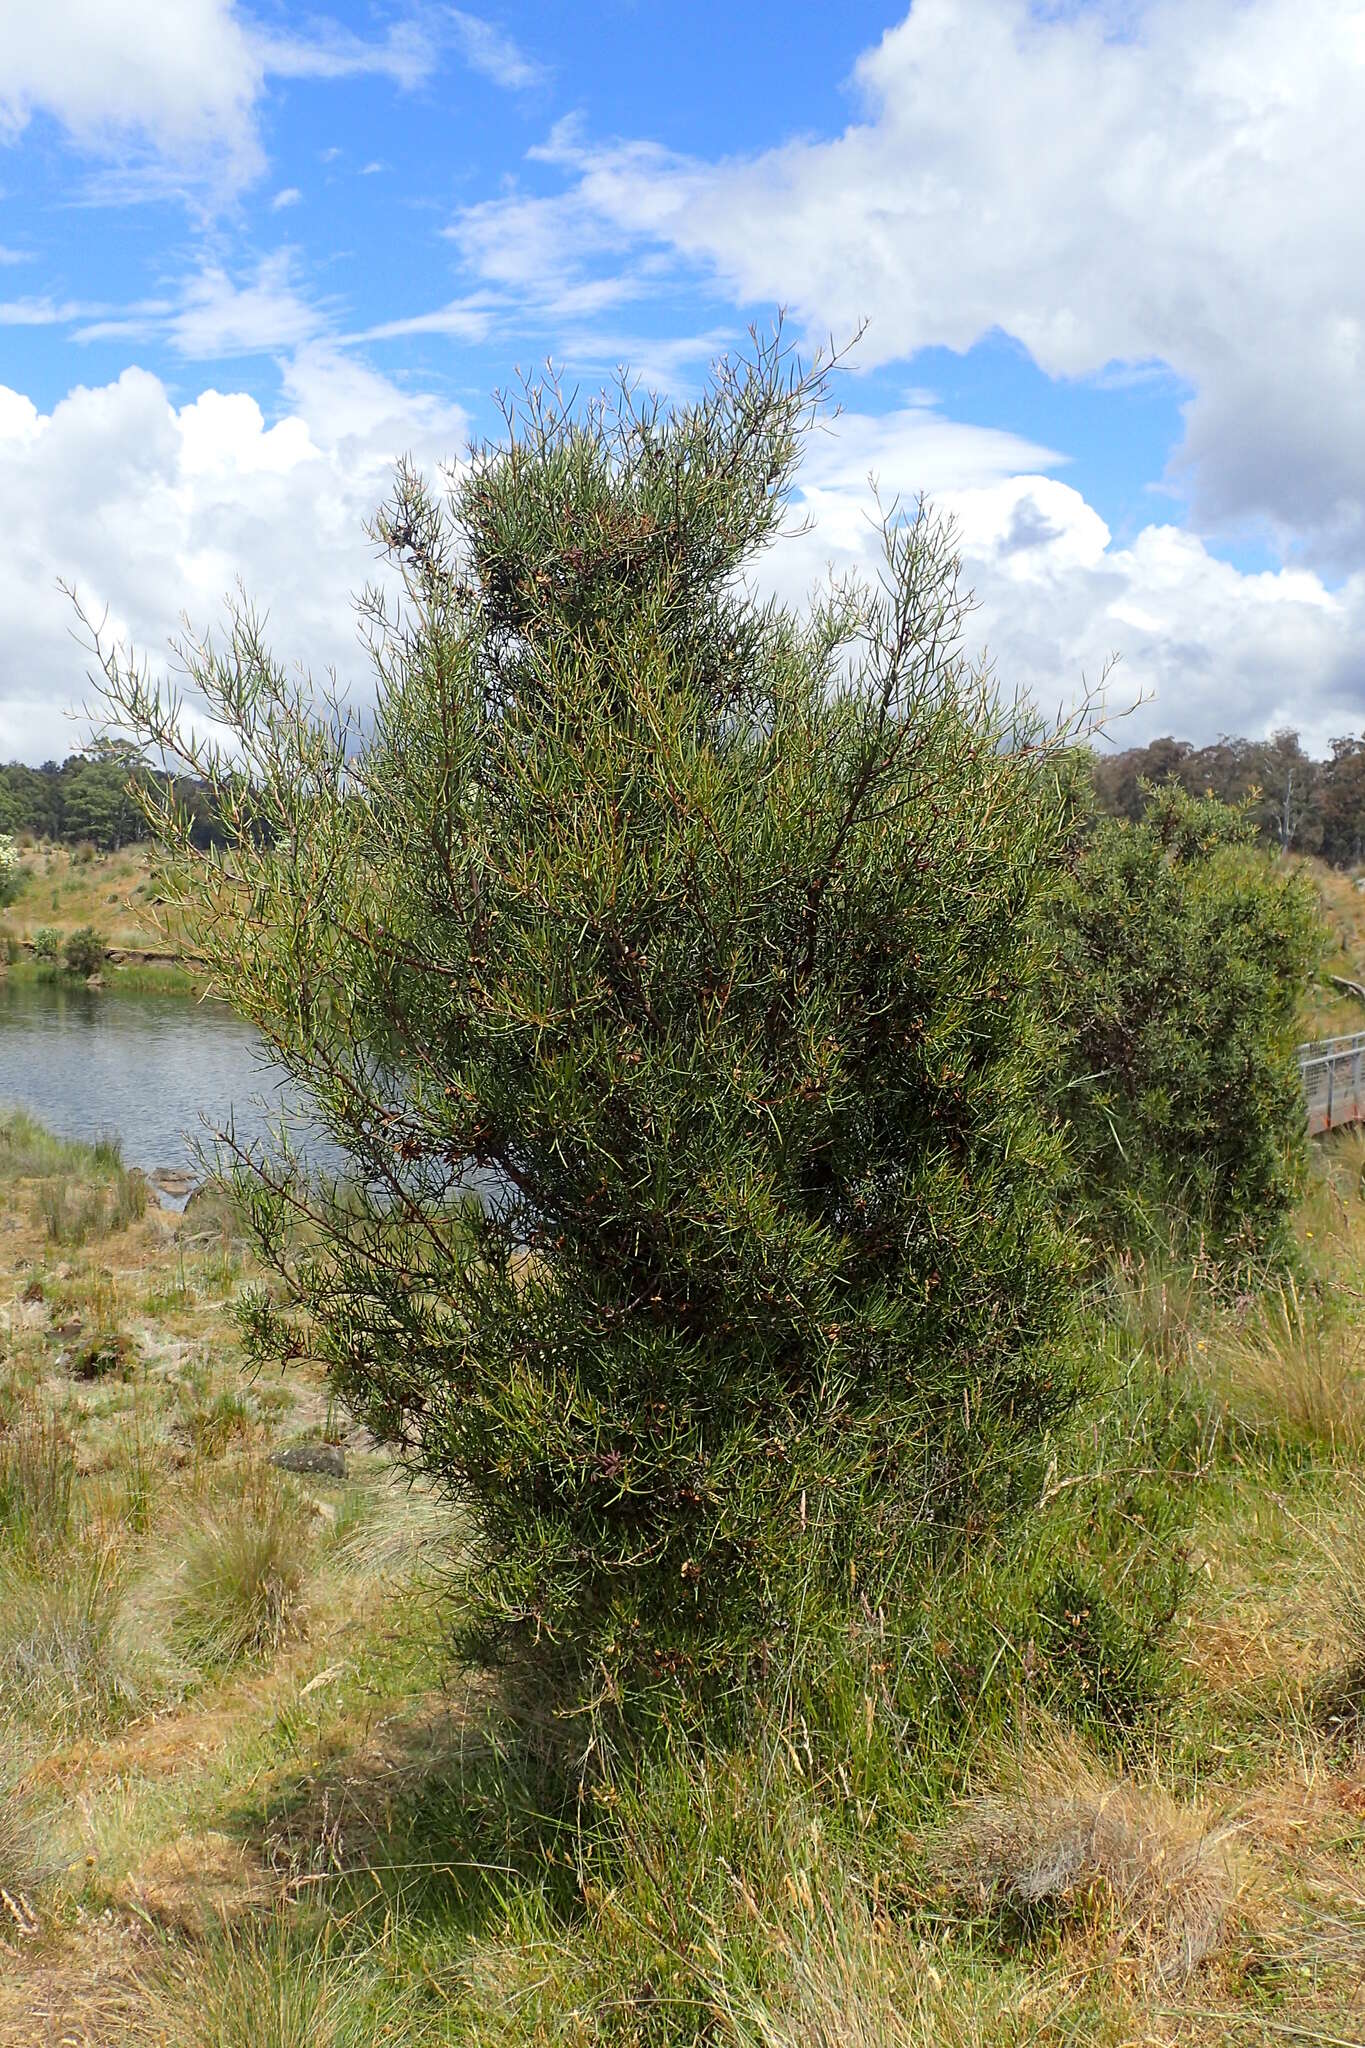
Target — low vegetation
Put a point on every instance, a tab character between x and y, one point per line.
244	1777
1060	1836
239	1585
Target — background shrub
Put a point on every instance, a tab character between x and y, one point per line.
84	951
11	873
1184	952
46	943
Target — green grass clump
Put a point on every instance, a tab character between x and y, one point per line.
108	1354
27	1149
85	1189
67	1664
214	1426
240	1586
73	1210
290	1987
37	1481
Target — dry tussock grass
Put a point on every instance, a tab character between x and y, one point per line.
846	1980
1161	1307
196	1883
1058	1833
239	1589
1282	1372
19	1874
1340	1545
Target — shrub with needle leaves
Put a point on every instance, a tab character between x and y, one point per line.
700	935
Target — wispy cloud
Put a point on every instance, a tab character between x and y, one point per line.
222	317
408	54
14	255
556	256
41	312
461	320
290	196
493	54
215	314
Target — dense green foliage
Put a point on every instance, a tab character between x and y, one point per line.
84	951
91	798
707	933
1183	955
11	874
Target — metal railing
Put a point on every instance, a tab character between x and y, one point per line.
1333	1071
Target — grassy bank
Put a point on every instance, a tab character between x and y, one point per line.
63	890
132	977
246	1798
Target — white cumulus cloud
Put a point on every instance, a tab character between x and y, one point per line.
1203	646
169	89
154	509
1124	181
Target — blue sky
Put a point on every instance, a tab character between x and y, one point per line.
1109	256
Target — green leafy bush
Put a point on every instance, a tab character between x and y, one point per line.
1184	952
47	942
85	951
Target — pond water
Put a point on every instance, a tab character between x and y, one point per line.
151	1068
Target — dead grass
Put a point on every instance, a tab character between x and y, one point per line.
1057	1835
196	1884
844	1978
1338	1696
20	1864
1287	1371
66	1658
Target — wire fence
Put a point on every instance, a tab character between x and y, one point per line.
1333	1071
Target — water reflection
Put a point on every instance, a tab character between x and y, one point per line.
84	1061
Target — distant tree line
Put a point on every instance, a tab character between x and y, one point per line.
1298	804
93	797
